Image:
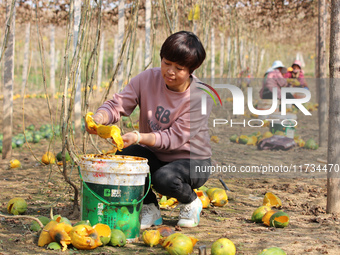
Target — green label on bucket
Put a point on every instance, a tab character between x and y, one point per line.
112	193
107	192
123	214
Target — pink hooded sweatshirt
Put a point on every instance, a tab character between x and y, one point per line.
301	77
274	79
175	118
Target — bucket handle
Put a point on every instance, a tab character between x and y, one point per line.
112	203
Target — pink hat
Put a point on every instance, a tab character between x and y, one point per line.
298	63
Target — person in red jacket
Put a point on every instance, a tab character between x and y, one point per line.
295	75
273	78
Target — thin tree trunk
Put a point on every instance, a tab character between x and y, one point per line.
121	31
222	55
147	59
26	57
239	47
140	56
229	56
235	58
100	62
321	81
115	50
57	58
252	57
259	66
52	60
316	59
212	56
174	15
77	98
8	85
333	176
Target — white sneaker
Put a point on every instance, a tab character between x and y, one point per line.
189	215
150	216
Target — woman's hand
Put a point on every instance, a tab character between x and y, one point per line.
98	119
129	139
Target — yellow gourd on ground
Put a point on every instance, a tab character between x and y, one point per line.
151	237
279	219
178	243
272	200
218	197
259	213
266	217
84	237
60	233
252	141
204	198
104	232
17	206
14	163
48	158
223	246
44	237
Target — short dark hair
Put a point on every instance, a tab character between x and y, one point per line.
184	48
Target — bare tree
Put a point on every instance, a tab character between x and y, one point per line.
121	31
100	61
8	82
52	59
26	56
77	99
321	82
148	7
333	176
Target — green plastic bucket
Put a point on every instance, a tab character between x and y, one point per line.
113	191
289	122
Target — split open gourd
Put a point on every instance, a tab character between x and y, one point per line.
272	200
105	131
279	219
84	237
104	232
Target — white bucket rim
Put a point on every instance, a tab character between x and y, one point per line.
283	117
115	158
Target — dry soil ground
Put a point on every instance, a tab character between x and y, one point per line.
311	229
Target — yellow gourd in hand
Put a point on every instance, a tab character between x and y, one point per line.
105	131
90	122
